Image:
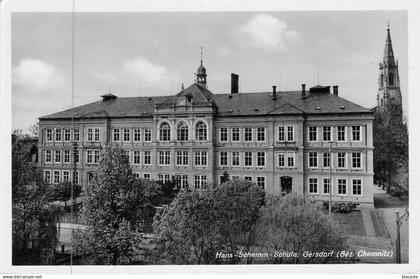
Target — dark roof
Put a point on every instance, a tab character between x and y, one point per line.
239	104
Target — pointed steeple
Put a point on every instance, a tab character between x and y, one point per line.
201	72
388	51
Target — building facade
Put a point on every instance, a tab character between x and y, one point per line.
304	141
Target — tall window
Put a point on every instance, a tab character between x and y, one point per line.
116	135
76	177
326	160
66	176
76	156
136	134
290	133
326	133
261	182
89	156
281	159
355	133
223	159
313	136
181	181
342	186
164	178
136	157
357	187
67	135
56	177
260	133
96	156
57	134
235	134
182	131
341	159
57	156
290	159
147	157
76	134
48	135
223	134
313	159
313	185
126	134
97	134
326	185
356	158
147	134
48	157
47	176
261	159
164	158
341	133
66	156
235	159
90	134
248	134
281	133
248	159
182	158
164	132
286	159
201	131
200	182
391	79
201	158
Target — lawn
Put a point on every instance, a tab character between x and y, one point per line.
349	223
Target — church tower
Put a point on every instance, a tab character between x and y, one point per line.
389	94
201	73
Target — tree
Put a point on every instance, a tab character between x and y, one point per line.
294	224
33	217
225	177
113	207
62	191
197	224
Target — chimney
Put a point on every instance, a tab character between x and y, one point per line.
274	97
234	83
303	91
335	90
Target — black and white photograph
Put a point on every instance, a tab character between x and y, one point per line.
267	137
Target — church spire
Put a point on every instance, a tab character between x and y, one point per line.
388	51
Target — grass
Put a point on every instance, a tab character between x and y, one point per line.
349	223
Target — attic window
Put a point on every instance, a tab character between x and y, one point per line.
256	110
76	113
231	110
108	97
318	108
342	107
123	113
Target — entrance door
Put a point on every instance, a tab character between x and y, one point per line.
285	185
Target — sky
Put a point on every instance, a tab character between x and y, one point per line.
153	53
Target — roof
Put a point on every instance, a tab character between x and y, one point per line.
240	104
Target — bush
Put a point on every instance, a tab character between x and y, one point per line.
341	207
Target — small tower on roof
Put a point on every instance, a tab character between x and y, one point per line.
389	94
201	72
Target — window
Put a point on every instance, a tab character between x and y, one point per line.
200	182
356	158
235	159
76	156
235	177
355	133
126	134
260	133
223	134
116	135
391	79
290	133
341	158
96	156
357	187
164	158
75	177
67	135
342	186
97	134
181	181
147	134
147	157
164	178
48	135
281	133
201	131
260	159
47	176
290	159
89	177
57	134
313	135
248	134
76	134
90	134
66	176
326	184
136	135
313	185
313	159
223	159
146	176
182	158
248	159
235	134
57	156
48	157
281	160
286	159
136	157
248	178
56	177
165	132
137	175
261	182
326	133
89	158
326	160
341	133
66	156
182	131
201	158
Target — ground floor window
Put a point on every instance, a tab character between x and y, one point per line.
261	182
75	177
66	176
248	178
313	185
146	176
326	185
342	186
181	181
56	177
164	178
200	182
47	176
357	187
